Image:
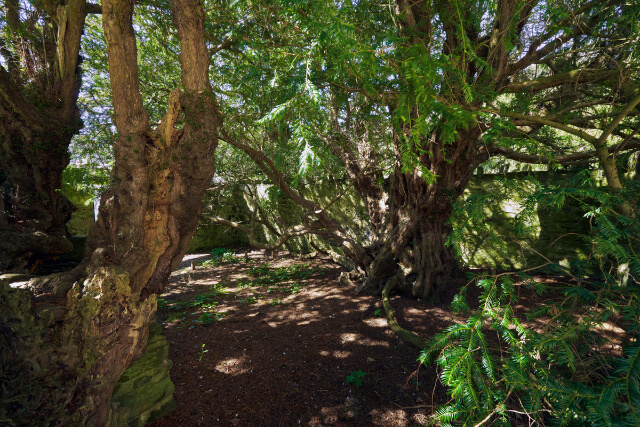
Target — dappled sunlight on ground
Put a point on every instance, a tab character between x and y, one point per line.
279	348
377	322
337	354
233	366
258	341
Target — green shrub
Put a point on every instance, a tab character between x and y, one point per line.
569	372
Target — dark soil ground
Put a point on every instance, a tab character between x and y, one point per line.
302	351
259	341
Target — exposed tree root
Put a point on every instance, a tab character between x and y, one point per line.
403	334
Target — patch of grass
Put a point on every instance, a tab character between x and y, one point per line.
163	303
220	256
274	278
206	300
294	289
173	317
356	378
242	284
206	319
265	275
202	302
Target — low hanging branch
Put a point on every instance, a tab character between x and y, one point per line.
331	228
570	77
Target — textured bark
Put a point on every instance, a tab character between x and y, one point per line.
414	255
38	118
92	322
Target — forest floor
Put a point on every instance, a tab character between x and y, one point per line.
259	341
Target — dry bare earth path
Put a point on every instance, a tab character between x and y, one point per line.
279	342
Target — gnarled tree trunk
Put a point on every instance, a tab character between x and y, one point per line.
35	212
38	118
414	255
64	358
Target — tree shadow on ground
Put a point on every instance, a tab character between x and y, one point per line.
281	354
280	342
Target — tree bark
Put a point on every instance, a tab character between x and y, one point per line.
38	118
414	256
92	322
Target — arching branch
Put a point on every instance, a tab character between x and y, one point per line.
527	119
269	168
571	77
567	159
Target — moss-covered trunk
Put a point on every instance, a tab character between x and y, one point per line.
74	335
38	117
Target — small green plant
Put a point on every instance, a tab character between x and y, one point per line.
356	378
206	319
201	353
220	256
175	317
203	302
379	313
294	289
265	275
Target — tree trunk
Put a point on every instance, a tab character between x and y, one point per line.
61	360
38	118
414	255
35	211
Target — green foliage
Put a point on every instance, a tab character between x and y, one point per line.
201	353
265	275
281	279
493	364
203	305
250	300
220	256
356	378
206	319
84	182
570	371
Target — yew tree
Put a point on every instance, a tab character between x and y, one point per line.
461	60
68	337
39	85
422	93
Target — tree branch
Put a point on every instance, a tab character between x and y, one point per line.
269	168
16	100
282	239
566	159
534	54
223	45
543	121
602	139
130	115
575	77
